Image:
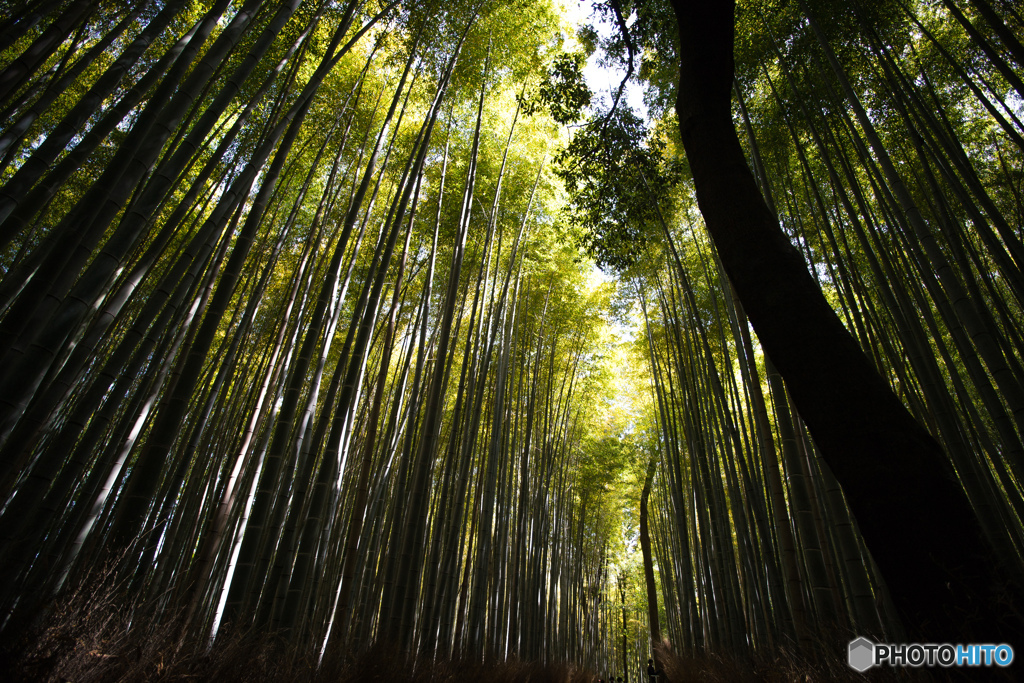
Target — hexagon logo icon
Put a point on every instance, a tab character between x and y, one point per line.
861	654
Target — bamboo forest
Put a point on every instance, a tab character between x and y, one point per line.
510	340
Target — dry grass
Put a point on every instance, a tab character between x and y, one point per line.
782	667
87	637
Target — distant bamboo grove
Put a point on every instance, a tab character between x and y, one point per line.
296	335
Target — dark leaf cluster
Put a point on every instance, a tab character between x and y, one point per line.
563	91
615	173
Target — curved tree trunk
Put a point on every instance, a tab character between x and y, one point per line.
889	466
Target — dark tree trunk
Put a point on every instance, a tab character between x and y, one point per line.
645	547
913	513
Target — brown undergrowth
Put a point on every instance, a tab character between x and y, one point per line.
92	634
782	666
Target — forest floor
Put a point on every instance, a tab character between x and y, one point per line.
92	635
89	637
